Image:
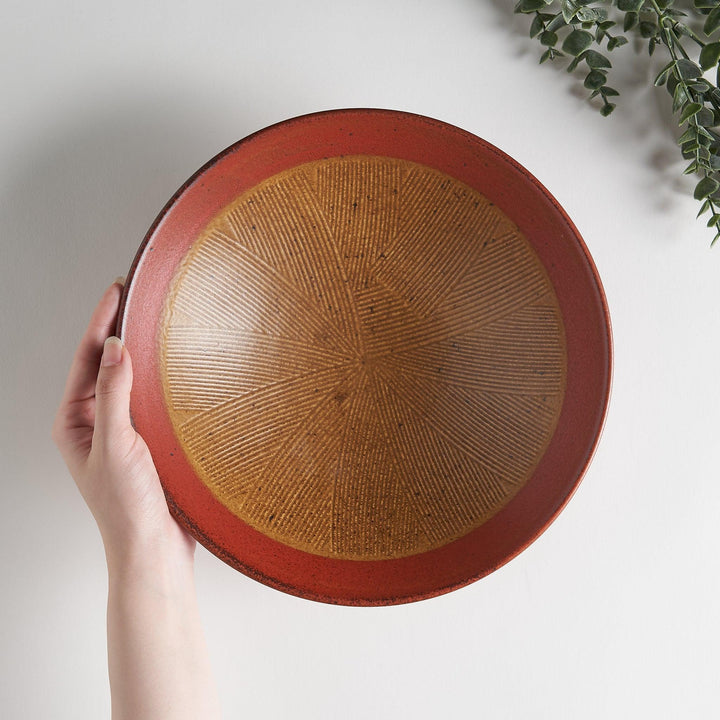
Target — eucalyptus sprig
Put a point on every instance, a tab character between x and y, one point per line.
585	32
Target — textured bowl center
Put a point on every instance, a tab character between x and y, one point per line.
363	358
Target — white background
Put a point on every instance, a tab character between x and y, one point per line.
106	108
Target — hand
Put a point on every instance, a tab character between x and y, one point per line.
110	462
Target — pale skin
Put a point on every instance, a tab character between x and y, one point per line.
157	656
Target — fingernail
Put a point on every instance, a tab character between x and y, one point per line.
112	351
120	280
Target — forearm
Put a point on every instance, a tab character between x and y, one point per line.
157	656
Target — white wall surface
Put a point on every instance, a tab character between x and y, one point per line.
613	613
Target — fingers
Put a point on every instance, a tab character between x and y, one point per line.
112	395
83	373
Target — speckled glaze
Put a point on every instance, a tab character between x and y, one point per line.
372	356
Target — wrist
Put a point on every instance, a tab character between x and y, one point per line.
165	581
171	549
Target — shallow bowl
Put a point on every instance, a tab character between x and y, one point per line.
372	356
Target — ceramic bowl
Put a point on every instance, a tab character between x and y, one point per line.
372	356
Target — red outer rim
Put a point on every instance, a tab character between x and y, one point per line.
559	247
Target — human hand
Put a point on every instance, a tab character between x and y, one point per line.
109	461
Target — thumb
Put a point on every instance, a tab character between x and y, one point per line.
112	392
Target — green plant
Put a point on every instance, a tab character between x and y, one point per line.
585	32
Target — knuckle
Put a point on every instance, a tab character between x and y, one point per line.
106	385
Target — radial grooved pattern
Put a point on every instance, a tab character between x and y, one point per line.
363	358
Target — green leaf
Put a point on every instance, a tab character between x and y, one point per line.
529	6
705	118
577	42
703	209
705	4
663	74
574	63
596	60
700	86
595	80
690	110
709	55
680	97
568	10
713	22
689	134
556	23
687	69
631	20
630	5
545	56
549	38
705	137
537	26
691	168
713	220
606	109
616	42
609	92
706	187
